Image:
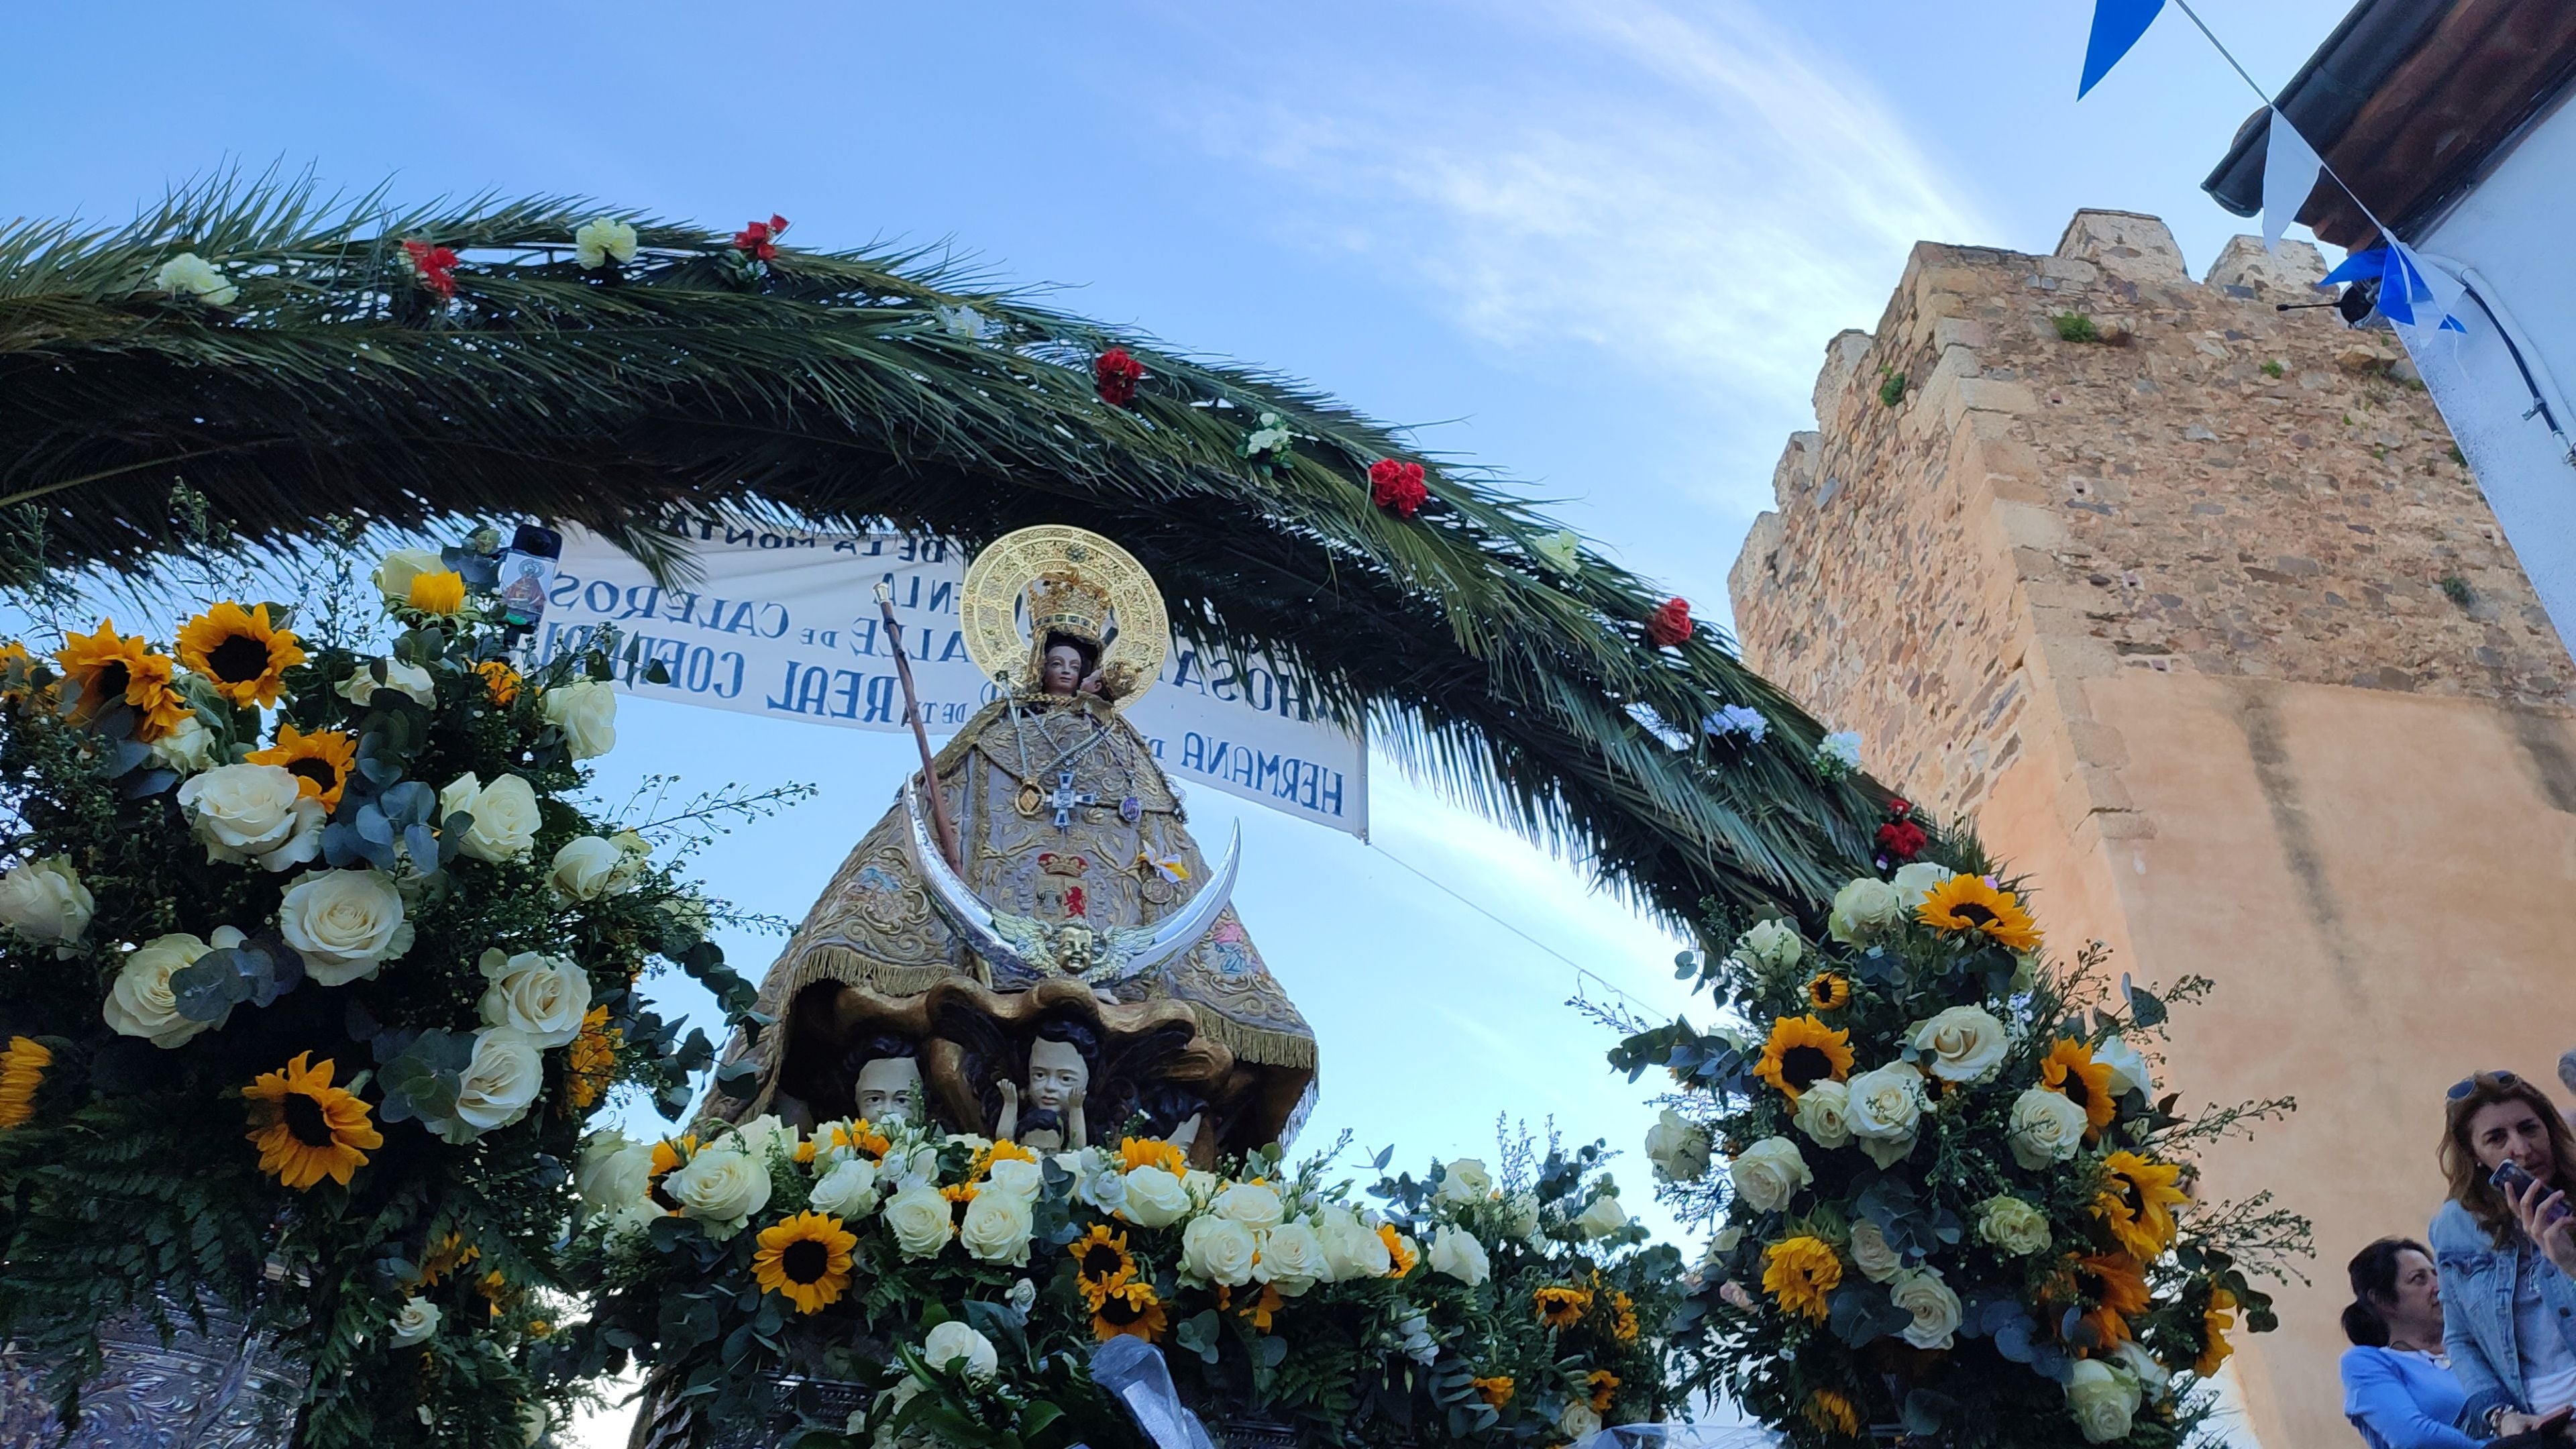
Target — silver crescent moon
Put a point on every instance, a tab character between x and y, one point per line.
1181	930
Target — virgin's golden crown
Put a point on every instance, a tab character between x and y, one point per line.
1068	604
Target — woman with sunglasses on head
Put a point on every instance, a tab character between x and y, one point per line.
2505	1253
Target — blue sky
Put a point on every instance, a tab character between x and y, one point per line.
1599	246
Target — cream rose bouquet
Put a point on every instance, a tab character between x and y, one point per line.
1949	1197
308	958
970	1282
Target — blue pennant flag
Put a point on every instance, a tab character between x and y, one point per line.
2117	24
2402	285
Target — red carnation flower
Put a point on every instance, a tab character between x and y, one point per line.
1397	487
1901	839
759	241
1116	375
436	266
1669	625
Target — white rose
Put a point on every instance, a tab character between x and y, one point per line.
720	1187
764	1138
849	1190
543	996
919	1219
954	1344
1870	1253
141	1002
190	275
534	1421
1202	1186
1251	1204
1463	1181
1678	1147
414	1323
395	571
2013	1226
611	1172
1865	910
601	238
586	710
253	814
2128	1068
1155	1198
1352	1248
1578	1422
1292	1260
501	1080
2102	1398
1824	1113
1914	882
2154	1380
44	900
996	1228
1520	1214
187	748
588	867
400	678
1456	1252
2046	1127
1602	1217
1886	1106
505	816
1217	1250
1921	1292
1769	1173
345	924
1965	1043
1013	1178
1771	944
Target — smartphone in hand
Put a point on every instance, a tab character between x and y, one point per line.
2510	1179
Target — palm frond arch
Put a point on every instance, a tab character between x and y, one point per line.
846	388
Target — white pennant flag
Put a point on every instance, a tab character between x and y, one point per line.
2290	170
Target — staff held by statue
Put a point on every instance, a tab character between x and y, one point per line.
939	820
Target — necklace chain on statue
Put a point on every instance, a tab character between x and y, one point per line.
1059	771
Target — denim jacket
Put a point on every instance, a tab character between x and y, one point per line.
2477	1311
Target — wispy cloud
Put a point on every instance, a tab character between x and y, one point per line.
1683	188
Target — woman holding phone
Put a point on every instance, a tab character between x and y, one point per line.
2505	1247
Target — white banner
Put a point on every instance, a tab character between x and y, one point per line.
786	624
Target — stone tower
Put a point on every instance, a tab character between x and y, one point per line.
2190	604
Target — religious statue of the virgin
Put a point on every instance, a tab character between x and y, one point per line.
1029	944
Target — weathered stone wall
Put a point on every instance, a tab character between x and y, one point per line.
2208	628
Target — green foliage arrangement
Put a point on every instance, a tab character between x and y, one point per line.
967	1284
313	973
1954	1201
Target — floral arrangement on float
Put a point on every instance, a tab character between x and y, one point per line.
1950	1202
966	1285
313	972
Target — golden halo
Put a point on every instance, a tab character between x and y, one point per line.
990	606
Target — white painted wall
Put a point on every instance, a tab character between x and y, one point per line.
2510	241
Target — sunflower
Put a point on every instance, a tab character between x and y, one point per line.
1829	991
806	1258
1101	1264
857	1136
2117	1285
22	1071
1263	1308
590	1064
2070	1071
437	591
2137	1201
1623	1318
321	762
1832	1413
1561	1307
1798	1273
1803	1051
1132	1309
1495	1391
305	1128
444	1257
2215	1321
500	681
1603	1386
107	668
240	652
1965	903
668	1154
1400	1255
1135	1152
